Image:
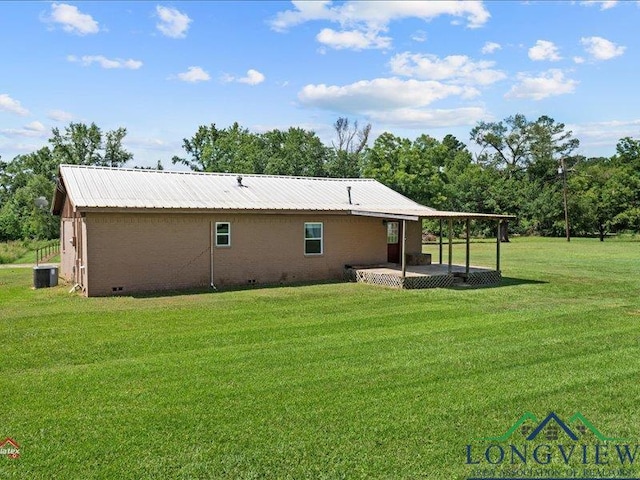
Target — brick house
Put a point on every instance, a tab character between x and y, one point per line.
128	230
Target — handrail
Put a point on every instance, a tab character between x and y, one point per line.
47	251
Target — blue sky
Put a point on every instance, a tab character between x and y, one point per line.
162	69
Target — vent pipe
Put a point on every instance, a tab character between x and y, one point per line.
349	194
239	179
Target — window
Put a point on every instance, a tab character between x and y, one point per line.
393	232
223	234
313	238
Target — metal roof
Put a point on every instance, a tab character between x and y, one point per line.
90	188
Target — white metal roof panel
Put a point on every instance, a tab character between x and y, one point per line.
91	187
103	187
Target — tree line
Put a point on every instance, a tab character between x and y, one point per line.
522	167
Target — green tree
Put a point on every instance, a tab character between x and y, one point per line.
607	199
25	179
294	152
410	168
232	149
505	144
628	154
82	144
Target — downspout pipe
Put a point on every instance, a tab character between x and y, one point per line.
211	237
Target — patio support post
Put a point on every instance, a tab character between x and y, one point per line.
450	244
404	251
498	247
468	247
440	242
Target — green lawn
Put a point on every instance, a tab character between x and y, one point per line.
325	381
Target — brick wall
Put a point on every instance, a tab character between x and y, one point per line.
129	252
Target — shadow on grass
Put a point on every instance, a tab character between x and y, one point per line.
225	289
506	282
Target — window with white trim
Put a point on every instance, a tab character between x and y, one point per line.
223	234
313	238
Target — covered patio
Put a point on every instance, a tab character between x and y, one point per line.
434	275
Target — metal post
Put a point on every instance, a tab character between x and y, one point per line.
498	247
466	270
404	250
450	244
440	242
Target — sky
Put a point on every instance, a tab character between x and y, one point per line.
161	69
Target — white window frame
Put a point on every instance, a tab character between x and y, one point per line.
227	235
321	238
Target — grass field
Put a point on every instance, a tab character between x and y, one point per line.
22	251
325	381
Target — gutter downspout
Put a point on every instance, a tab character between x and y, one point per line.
211	248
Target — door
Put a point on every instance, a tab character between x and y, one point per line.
393	242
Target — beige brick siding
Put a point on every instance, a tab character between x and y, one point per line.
129	252
132	252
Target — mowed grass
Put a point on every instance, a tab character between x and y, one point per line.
324	381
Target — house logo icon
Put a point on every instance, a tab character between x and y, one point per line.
10	448
552	428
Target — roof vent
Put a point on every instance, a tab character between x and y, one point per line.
239	179
349	194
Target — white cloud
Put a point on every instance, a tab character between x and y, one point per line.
173	23
578	60
253	77
105	62
193	75
601	48
436	118
151	143
604	4
419	36
380	94
490	47
72	20
544	50
607	133
36	127
33	129
60	116
352	39
458	68
11	105
547	84
370	18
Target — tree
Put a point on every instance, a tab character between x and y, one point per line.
24	179
114	154
607	199
294	152
410	168
83	145
507	142
31	176
529	154
345	159
628	154
232	149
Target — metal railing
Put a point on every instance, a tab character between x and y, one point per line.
47	251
